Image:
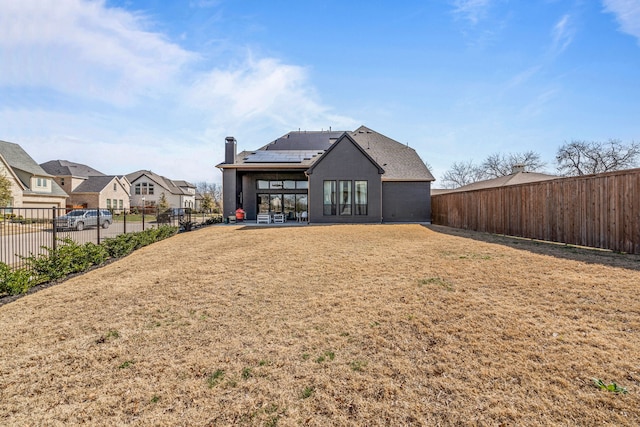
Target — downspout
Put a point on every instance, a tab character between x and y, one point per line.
308	197
381	202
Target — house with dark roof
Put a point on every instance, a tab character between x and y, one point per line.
88	187
31	186
148	187
356	176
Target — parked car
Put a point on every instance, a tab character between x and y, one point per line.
171	214
79	219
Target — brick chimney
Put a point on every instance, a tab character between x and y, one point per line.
230	150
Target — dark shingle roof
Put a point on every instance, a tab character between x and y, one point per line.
399	161
66	168
94	184
304	140
182	183
19	159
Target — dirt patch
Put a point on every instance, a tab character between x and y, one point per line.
333	325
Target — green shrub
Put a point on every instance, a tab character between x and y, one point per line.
14	282
70	257
124	244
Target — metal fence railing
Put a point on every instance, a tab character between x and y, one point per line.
28	231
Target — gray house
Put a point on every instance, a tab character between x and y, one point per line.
328	177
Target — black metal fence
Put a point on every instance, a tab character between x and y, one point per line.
28	231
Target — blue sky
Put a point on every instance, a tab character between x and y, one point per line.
148	84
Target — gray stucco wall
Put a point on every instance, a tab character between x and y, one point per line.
229	192
345	162
406	201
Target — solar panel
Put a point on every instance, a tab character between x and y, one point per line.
281	156
305	141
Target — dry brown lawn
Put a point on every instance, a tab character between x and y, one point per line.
330	325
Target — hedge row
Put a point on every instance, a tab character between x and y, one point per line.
69	257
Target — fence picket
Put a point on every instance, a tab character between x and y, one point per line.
600	211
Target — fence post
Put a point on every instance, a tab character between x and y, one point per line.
124	222
98	227
53	226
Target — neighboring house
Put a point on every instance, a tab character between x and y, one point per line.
147	189
328	176
518	176
198	201
89	188
32	186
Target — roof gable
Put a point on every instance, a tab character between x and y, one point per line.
12	173
344	139
173	187
24	167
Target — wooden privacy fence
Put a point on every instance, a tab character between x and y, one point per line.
601	211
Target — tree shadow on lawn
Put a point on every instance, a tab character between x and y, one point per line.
559	250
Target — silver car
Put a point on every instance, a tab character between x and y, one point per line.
79	219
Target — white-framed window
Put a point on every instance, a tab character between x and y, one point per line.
144	188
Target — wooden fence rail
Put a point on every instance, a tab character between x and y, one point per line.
601	211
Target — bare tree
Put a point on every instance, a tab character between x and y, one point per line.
494	166
213	190
462	173
497	165
589	157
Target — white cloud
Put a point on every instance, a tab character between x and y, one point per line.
562	34
85	49
126	98
471	10
627	13
262	90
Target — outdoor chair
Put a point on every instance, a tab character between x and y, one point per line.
263	218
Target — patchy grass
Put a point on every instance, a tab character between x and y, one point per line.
333	325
